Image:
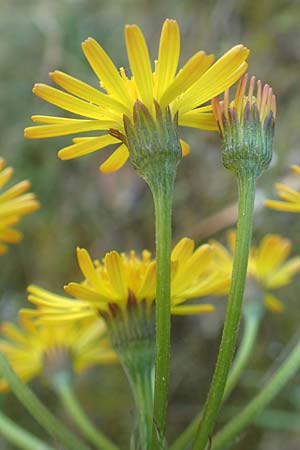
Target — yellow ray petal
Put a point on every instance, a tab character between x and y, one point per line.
272	251
115	270
13	333
87	92
106	71
186	310
193	266
140	63
283	275
183	250
288	194
198	119
282	206
7	221
225	72
148	285
3	249
116	160
56	306
88	145
169	49
55	119
273	303
15	191
5	175
84	293
55	316
187	76
19	206
11	236
88	269
295	169
185	148
222	258
63	129
67	102
55	300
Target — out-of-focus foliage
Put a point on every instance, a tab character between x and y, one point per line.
82	207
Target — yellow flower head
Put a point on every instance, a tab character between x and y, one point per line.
120	282
34	349
290	198
268	264
14	203
103	109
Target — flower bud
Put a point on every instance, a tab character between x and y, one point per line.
247	127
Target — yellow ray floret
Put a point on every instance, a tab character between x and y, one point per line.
290	199
268	264
14	203
121	281
30	348
185	91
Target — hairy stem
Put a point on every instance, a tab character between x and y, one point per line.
162	190
246	184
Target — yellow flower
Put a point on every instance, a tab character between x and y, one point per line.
268	265
14	203
290	197
122	281
103	109
34	349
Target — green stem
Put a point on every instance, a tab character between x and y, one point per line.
36	408
162	190
274	419
132	337
142	388
279	420
68	398
246	184
19	437
287	370
251	325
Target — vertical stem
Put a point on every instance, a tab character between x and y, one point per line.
287	370
142	388
162	190
251	325
68	398
246	185
19	437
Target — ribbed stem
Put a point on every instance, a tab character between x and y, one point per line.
132	336
251	326
246	185
162	190
287	370
68	398
19	437
36	408
142	387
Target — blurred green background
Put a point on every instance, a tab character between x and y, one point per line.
102	212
